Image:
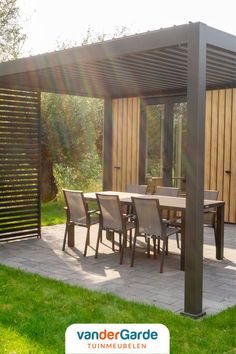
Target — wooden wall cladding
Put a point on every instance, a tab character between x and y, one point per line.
125	142
220	147
19	164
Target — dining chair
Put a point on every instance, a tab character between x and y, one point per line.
168	191
149	224
136	188
113	220
169	215
78	214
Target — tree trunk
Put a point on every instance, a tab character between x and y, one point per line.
48	184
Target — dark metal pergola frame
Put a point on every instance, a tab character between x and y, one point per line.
182	60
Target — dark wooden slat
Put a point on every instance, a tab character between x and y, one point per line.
20	163
14	231
11	105
19	214
18	192
7	202
19	105
14	221
21	116
18	93
20	156
20	235
25	208
20	147
18	185
17	133
4	123
32	100
18	175
21	140
18	168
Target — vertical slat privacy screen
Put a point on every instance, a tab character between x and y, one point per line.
19	164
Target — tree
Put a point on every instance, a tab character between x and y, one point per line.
72	134
11	36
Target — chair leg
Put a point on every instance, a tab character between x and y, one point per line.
214	227
177	239
158	245
64	241
167	247
87	241
130	238
154	247
113	241
120	241
98	240
148	247
133	251
163	254
124	243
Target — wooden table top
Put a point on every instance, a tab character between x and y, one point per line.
174	203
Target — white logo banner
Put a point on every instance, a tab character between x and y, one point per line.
117	338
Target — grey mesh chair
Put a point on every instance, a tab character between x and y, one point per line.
168	191
136	188
78	214
169	215
113	220
149	224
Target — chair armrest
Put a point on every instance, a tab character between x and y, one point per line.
176	222
93	211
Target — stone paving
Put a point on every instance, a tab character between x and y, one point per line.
142	283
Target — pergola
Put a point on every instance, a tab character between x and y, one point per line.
185	59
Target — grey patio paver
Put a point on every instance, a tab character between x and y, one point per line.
143	283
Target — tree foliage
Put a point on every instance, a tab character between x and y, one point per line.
11	35
73	131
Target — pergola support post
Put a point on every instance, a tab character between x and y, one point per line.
107	145
168	144
195	171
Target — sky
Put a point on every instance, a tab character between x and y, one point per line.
50	22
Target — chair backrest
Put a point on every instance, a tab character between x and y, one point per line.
168	191
110	211
137	188
211	194
77	208
148	213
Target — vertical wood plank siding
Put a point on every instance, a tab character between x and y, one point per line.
19	164
220	137
126	115
220	145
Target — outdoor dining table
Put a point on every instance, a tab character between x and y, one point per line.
170	203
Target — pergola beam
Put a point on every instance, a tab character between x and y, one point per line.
220	39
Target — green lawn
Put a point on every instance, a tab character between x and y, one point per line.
35	312
53	213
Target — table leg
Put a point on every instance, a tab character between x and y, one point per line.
71	235
182	255
220	232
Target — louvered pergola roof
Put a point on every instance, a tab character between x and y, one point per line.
155	62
